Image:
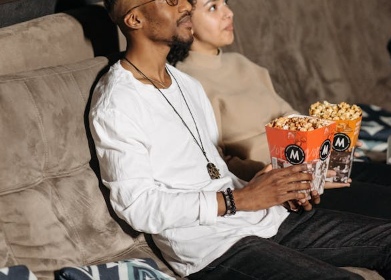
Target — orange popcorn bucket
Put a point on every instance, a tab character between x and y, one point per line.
342	154
290	147
345	139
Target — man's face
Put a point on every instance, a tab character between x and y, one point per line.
169	24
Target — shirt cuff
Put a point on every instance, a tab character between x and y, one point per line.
208	208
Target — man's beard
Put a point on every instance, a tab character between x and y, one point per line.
179	49
181	43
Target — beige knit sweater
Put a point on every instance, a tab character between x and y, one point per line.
244	100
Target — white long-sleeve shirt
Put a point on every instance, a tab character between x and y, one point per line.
157	174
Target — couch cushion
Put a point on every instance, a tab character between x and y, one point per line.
53	207
18	272
57	39
42	123
41	42
133	269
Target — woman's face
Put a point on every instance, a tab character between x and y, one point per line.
212	25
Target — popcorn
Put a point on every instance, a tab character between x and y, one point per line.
341	111
348	122
302	123
298	139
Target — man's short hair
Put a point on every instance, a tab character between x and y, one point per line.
109	4
116	9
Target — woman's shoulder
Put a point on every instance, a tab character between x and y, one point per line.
242	61
177	71
234	55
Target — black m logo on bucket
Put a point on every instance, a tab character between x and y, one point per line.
341	142
294	154
325	150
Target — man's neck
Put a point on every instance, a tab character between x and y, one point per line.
150	60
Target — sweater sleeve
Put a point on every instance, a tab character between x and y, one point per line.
245	169
284	109
238	168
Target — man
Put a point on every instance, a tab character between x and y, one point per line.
156	138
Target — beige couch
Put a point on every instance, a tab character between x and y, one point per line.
319	49
53	210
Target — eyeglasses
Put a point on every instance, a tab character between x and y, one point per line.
169	2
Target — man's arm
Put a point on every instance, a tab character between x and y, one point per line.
147	205
276	189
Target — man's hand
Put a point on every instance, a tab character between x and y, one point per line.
271	187
315	199
306	205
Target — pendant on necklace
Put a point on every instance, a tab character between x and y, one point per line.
213	171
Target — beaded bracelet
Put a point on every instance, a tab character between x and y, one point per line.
229	202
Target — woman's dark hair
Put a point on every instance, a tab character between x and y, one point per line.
179	50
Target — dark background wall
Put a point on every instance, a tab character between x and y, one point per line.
15	11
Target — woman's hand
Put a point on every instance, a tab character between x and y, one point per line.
334	185
332	173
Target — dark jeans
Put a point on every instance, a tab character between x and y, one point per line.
311	245
369	194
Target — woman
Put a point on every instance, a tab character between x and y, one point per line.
228	79
244	100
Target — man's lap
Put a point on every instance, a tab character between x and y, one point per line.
310	245
256	258
369	193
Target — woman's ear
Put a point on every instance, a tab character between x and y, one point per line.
133	20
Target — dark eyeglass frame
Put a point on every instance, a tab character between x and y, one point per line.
169	3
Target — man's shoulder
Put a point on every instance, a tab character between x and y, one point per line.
112	90
112	78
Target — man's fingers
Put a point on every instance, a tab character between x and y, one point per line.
296	178
299	186
293	205
307	206
287	171
315	197
294	196
303	202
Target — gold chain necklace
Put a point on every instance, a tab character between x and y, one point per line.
213	171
